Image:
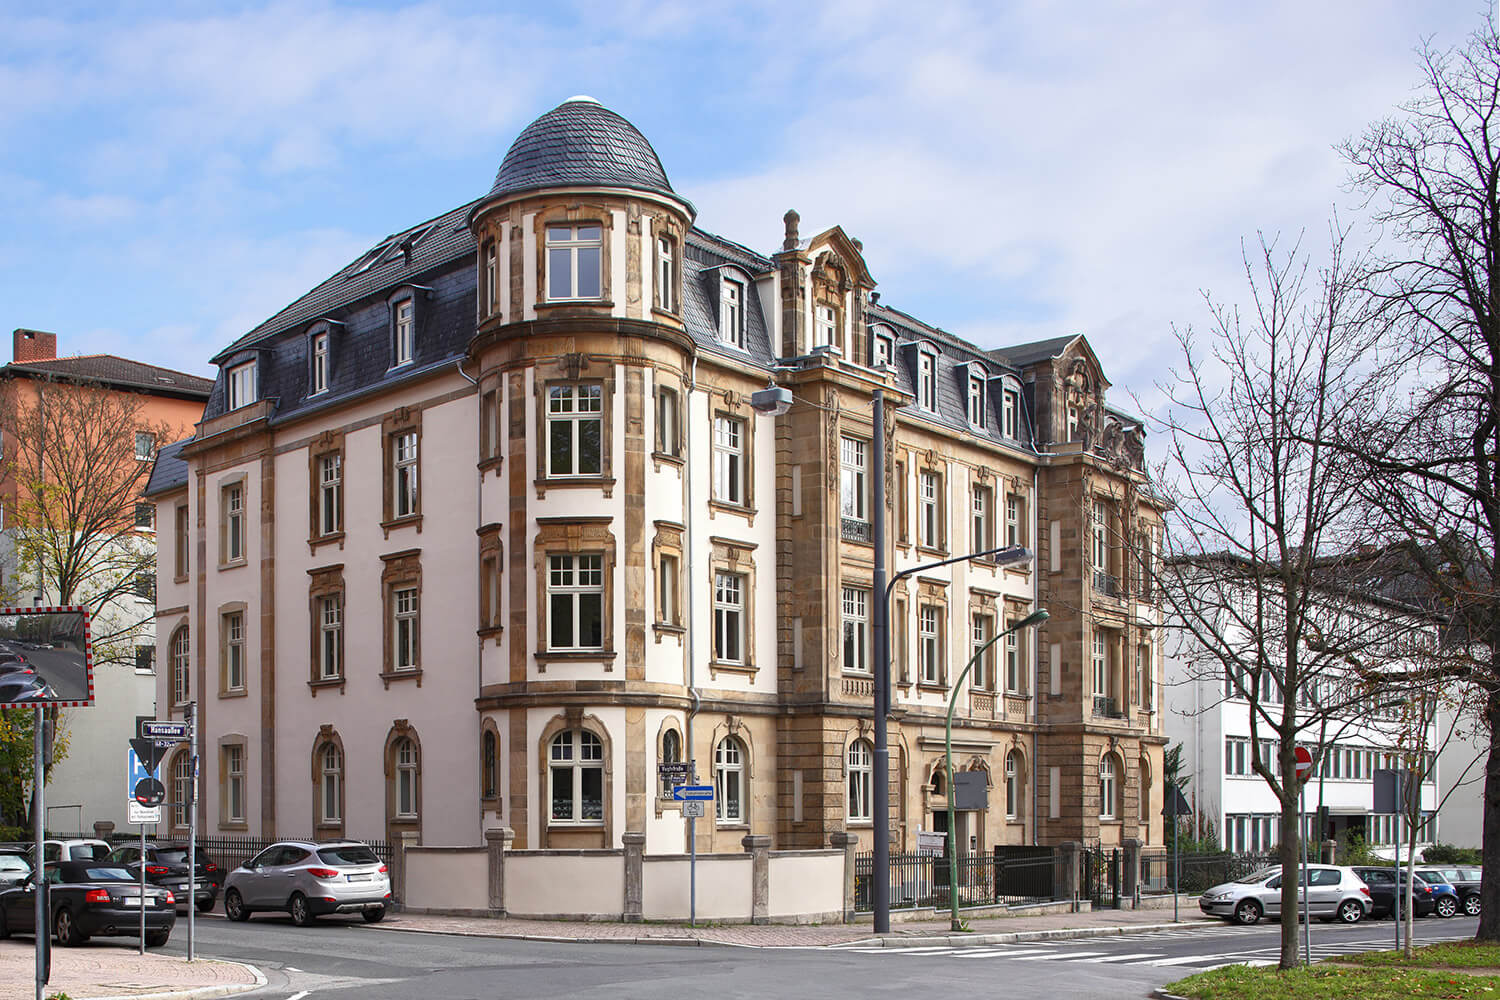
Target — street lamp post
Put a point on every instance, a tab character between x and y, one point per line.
1035	618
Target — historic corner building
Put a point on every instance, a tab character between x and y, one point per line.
483	528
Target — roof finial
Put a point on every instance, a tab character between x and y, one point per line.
791	218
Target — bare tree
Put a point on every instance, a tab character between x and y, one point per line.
1255	579
1431	444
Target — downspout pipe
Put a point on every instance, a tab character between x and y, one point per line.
478	569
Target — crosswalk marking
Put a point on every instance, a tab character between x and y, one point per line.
1068	955
1137	956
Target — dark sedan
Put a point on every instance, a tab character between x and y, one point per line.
167	867
1382	883
90	898
13	868
1465	882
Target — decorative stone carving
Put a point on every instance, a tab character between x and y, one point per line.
791	218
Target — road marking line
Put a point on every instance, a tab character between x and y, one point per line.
299	996
1000	953
1187	959
1064	956
1122	958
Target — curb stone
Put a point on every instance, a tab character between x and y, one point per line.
1009	937
197	992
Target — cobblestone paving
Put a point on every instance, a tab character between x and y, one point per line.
109	970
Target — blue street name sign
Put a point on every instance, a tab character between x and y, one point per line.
692	793
164	730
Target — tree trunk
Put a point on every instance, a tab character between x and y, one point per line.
1291	875
1489	886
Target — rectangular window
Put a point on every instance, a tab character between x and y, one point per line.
1101	667
929	519
732	312
234	784
668	422
903	516
489	593
145	515
575	602
144	585
1072	423
489	424
856	630
404	474
405	332
320	363
331	632
929	640
491	278
729	460
404	628
180	542
1103	581
1015	520
983	630
330	494
1015	662
667	597
825	320
853	483
976	402
145	659
241	385
984	535
883	349
927	382
1010	414
666	274
729	618
575	430
145	446
575	256
232	547
233	632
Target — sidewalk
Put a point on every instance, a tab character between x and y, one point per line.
114	968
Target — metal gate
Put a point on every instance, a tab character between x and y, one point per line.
1100	877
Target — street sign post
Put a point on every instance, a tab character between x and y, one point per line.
692	793
1303	757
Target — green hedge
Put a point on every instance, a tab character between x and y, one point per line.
1447	854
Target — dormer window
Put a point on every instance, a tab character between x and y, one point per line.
882	349
405	331
1010	414
927	381
825	326
319	363
666	275
732	312
241	385
575	257
976	401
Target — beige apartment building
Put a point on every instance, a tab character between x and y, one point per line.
484	528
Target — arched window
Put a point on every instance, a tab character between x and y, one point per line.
1145	796
1014	784
861	767
1108	787
407	771
489	764
182	786
181	691
729	781
576	774
331	784
671	753
939	784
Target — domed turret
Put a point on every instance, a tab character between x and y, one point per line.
580	143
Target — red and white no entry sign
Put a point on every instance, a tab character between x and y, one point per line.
1304	761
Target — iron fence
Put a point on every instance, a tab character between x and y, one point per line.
231	852
1198	872
925	879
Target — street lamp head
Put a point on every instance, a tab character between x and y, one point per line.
1037	617
773	400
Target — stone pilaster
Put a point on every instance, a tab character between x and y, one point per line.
635	876
497	841
847	842
758	846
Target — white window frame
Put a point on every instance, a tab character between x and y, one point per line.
1012	785
855	604
732	312
1015	662
930	642
571	406
884	349
1108	788
182	663
929	521
976	401
406	610
1015	519
330	637
182	783
666	274
319	363
233	623
330	493
491	278
404	340
729	777
234	522
145	446
234	782
927	381
854	479
731	598
980	503
405	474
668	598
729	460
571	578
330	778
575	252
241	385
861	762
1100	526
981	631
825	326
668	421
406	779
1011	414
570	754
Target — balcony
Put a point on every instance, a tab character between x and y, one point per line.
854	530
1107	708
1106	584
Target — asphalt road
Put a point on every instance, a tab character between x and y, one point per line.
336	956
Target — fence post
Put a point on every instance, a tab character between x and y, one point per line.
635	875
1132	887
409	838
497	841
758	846
1067	870
848	842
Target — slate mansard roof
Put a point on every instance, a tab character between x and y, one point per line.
170	471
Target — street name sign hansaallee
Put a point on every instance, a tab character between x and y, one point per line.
692	793
164	730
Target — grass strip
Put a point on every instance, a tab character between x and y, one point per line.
1448	954
1238	982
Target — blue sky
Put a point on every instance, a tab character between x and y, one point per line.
174	173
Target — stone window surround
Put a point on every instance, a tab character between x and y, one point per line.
857	735
982	602
403	294
574	369
399	421
931	462
1015	812
666	229
575	214
186	668
226	822
573	717
403	571
328	736
829	285
492	803
182	542
668	541
575	536
728	555
899	632
169	771
735	406
901	504
489	278
1112	812
330	442
982	482
934	593
663	450
396	825
664	802
224	610
325	581
242	480
491	391
732	726
857	578
491	582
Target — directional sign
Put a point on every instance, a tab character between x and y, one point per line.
165	730
690	793
1304	761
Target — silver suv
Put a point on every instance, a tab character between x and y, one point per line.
1333	892
308	879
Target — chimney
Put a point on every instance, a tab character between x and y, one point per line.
33	345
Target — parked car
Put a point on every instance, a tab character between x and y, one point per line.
88	899
1445	898
24	688
168	868
78	849
1388	900
1333	892
207	868
1465	882
13	867
308	879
